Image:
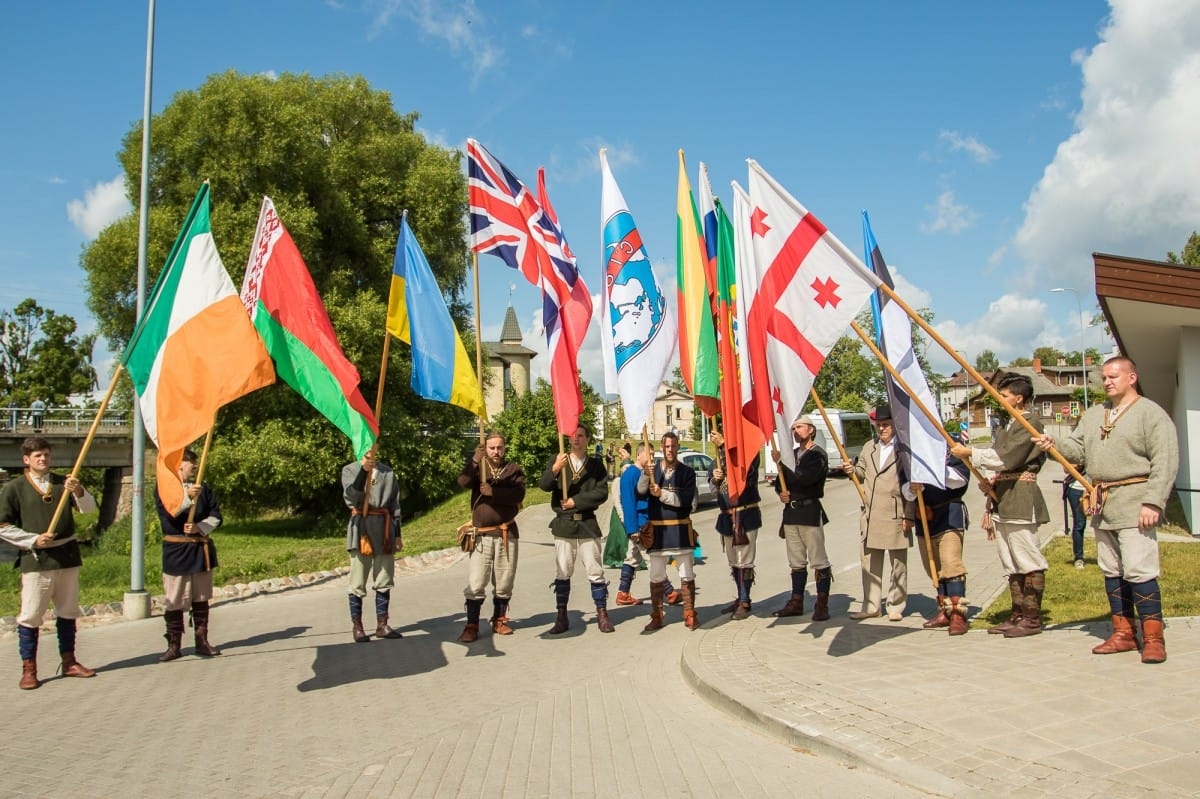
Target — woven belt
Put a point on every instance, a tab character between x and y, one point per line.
1094	501
1007	477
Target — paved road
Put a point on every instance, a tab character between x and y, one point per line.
295	709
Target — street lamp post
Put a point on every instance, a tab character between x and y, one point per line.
1082	343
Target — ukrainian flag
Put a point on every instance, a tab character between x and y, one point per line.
417	315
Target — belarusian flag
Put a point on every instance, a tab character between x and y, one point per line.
283	303
194	349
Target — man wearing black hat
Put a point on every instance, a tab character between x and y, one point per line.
882	527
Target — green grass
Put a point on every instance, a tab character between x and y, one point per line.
1074	595
248	550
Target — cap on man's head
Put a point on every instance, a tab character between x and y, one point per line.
805	419
882	413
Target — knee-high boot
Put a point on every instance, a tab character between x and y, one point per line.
657	593
1016	589
174	636
360	635
470	632
795	603
745	582
200	630
690	620
383	603
500	616
1031	608
562	594
600	598
824	583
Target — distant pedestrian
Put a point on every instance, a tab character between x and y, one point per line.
1073	499
188	559
37	410
497	491
372	539
49	560
1130	449
1019	509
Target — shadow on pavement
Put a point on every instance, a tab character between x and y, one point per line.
347	663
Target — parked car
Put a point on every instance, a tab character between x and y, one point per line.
703	465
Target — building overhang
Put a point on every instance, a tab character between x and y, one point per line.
1146	304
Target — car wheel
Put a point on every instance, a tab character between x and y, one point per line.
695	503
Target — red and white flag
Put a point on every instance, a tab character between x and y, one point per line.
811	288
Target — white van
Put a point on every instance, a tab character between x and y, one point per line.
853	430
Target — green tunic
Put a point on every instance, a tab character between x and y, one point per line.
1014	453
24	507
1143	443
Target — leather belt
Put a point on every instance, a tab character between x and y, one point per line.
191	539
803	503
747	506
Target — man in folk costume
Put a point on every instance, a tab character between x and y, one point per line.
803	526
576	531
882	527
672	492
49	559
633	502
372	539
188	559
1129	446
496	498
1019	509
946	516
738	523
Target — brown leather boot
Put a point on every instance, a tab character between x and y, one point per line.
1031	611
360	635
174	636
794	607
690	620
73	668
29	678
1123	638
941	619
673	597
742	611
1016	589
657	592
470	634
626	598
200	622
603	621
500	626
561	623
821	608
1154	649
382	630
957	618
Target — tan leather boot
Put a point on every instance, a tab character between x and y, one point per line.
1123	638
657	591
29	678
690	620
1154	649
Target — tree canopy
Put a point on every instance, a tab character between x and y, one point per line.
986	361
1190	255
41	357
341	166
528	425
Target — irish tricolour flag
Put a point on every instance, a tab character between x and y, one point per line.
194	349
283	303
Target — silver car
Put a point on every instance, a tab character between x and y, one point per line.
703	465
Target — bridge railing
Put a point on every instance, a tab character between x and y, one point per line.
61	421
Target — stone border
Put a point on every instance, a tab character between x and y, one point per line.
115	611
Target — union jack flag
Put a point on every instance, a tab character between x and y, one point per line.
509	222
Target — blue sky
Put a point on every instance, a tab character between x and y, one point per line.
995	145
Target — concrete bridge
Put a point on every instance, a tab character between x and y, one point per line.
66	429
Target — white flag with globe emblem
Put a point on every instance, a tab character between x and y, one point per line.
637	330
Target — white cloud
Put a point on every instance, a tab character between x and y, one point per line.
1010	327
584	162
101	205
978	151
916	297
461	26
948	215
1125	181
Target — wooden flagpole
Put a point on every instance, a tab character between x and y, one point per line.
200	468
387	343
479	366
900	381
862	494
83	449
919	490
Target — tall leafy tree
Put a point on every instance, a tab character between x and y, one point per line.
532	434
41	356
987	361
341	166
1190	255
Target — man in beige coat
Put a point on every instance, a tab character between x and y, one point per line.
882	526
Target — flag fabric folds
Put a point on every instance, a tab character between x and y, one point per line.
811	287
288	313
748	278
508	221
637	330
922	449
418	316
697	339
743	439
194	349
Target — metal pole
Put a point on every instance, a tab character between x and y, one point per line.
137	601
